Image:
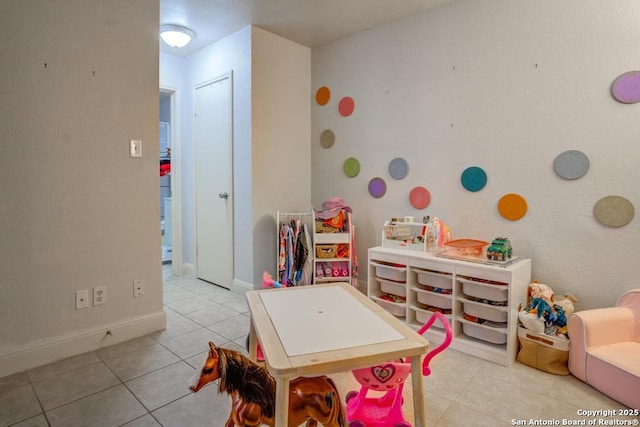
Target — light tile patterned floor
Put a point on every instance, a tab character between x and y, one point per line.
143	382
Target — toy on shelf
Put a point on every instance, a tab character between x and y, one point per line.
430	235
500	249
386	410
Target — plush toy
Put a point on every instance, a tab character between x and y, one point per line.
566	303
531	322
542	291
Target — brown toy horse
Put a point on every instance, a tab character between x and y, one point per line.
253	389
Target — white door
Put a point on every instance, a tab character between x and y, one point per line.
214	199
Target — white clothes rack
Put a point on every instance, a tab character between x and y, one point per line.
287	273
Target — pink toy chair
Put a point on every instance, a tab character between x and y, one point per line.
604	348
386	410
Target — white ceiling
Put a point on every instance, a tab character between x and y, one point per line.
308	22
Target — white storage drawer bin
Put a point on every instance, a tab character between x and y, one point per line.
398	309
393	288
484	333
485	311
434	279
484	291
423	316
434	299
390	272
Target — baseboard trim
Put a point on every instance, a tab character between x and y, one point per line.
188	270
51	350
240	287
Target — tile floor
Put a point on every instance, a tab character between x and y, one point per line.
143	382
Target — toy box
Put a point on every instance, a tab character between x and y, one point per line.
544	352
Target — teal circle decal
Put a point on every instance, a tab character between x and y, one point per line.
473	179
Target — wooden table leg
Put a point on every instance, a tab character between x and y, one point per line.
418	394
282	402
253	342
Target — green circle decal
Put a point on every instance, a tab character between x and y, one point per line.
351	167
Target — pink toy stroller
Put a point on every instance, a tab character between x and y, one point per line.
386	410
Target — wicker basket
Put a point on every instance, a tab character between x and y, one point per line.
321	227
326	251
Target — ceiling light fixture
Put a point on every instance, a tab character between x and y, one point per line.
175	35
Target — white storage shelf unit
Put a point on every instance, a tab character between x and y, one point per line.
339	267
455	287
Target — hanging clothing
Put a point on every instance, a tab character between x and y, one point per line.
293	253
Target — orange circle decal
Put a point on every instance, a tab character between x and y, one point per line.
323	95
512	207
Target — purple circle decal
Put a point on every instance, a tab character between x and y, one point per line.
626	87
377	187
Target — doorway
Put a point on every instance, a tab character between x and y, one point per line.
164	136
212	133
171	212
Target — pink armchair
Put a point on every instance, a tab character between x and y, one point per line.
604	350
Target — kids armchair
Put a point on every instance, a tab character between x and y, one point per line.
604	348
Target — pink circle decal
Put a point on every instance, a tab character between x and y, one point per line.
419	197
346	106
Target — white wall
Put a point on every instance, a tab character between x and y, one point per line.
271	127
76	212
281	153
507	86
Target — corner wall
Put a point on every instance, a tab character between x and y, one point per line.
281	153
506	86
76	211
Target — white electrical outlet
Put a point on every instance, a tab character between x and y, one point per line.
138	287
99	295
82	299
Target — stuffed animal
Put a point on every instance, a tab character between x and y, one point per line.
542	291
566	303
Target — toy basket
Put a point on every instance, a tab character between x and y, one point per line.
326	251
321	227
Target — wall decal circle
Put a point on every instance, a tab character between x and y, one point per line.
473	179
626	87
377	187
571	164
419	197
327	138
351	167
398	168
323	95
614	211
512	207
346	106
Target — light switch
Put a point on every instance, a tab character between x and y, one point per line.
135	148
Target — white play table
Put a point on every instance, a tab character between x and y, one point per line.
328	328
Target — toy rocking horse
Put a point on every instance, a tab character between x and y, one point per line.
253	389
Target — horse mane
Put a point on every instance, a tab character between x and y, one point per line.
251	381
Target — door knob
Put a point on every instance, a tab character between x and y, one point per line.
223	195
